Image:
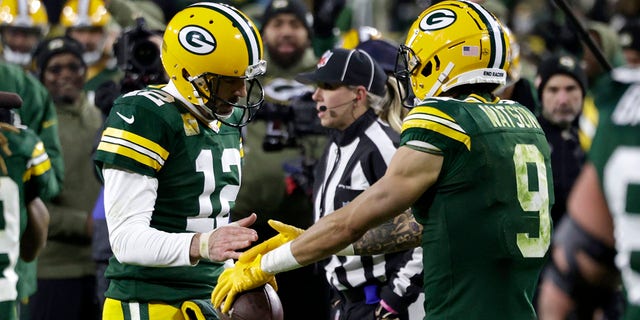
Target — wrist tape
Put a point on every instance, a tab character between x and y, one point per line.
280	259
204	244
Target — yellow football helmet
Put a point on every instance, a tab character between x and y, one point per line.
24	13
206	42
515	68
453	43
84	13
27	16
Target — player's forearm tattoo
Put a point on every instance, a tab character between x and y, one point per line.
398	234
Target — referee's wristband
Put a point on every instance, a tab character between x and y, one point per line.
278	260
204	244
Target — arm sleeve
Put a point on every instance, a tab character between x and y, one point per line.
406	284
129	199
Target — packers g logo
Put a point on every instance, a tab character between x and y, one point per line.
437	20
197	40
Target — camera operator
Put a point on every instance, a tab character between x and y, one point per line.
281	147
138	54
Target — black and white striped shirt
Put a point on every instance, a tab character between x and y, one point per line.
354	159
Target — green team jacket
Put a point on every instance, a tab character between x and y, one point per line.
37	113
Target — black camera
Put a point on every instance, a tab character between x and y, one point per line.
138	56
290	113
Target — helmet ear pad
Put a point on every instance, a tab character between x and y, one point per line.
455	43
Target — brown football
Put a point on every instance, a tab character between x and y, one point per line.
261	303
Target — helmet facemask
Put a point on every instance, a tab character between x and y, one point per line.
207	85
406	63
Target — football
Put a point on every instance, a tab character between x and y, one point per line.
261	303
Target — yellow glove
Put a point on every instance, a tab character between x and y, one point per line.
241	277
285	234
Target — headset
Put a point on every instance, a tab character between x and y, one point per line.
324	108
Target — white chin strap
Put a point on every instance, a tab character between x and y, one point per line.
441	78
15	57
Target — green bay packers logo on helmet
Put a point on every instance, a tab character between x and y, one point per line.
197	40
437	20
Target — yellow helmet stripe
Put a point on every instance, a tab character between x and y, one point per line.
83	13
249	32
496	33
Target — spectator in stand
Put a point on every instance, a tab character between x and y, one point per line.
564	292
66	273
562	85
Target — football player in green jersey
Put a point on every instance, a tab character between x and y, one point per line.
25	171
475	170
604	206
171	157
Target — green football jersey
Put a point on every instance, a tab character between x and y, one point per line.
29	175
38	113
615	153
198	173
487	225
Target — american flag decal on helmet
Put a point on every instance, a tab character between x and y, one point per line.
470	51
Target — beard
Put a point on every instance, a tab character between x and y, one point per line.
285	61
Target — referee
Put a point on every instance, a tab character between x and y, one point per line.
352	91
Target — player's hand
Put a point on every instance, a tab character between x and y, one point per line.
239	278
225	241
285	234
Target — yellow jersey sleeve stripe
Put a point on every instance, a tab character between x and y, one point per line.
130	153
38	164
428	124
136	140
431	111
37	170
41	168
439	120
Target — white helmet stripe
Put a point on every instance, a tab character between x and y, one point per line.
249	33
496	33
